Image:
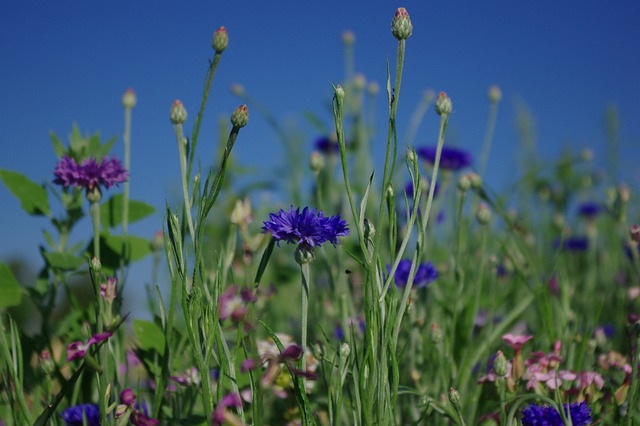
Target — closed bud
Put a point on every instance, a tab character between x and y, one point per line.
411	156
178	114
454	397
240	117
96	265
359	82
443	104
634	231
316	161
401	27
129	99
348	37
220	40
339	93
483	215
476	180
435	333
464	183
494	94
390	191
373	88
345	350
500	366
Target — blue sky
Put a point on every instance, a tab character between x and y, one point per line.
69	62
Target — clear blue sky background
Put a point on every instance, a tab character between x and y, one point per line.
65	62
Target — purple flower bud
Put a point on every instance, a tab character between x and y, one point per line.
401	27
127	397
178	113
220	40
443	104
240	117
292	352
129	99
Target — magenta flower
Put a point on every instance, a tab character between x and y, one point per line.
221	414
78	350
516	341
234	304
90	174
308	228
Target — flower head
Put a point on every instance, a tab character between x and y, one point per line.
545	415
425	274
401	27
590	209
77	350
327	145
516	341
574	244
90	174
73	416
450	158
220	40
240	116
309	228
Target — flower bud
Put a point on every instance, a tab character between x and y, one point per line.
634	231
178	113
401	27
304	255
237	89
443	104
220	40
316	162
475	179
348	37
240	117
411	156
494	94
157	242
339	93
464	183
345	350
500	366
435	333
454	396
96	265
483	215
359	82
127	397
129	99
373	88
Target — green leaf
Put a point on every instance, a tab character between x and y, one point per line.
149	335
10	290
58	146
63	261
111	211
135	248
32	196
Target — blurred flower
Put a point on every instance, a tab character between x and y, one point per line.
443	106
575	244
590	209
77	350
73	416
308	228
89	175
223	416
516	341
327	145
190	377
233	303
129	99
548	416
425	274
108	290
450	158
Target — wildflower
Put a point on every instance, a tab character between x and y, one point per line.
590	209
178	113
76	415
574	244
450	158
108	290
546	415
190	377
234	304
443	104
425	274
496	366
221	415
516	341
77	350
90	174
309	228
129	99
327	145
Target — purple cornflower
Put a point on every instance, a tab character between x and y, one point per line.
425	274
221	414
76	350
308	228
73	416
574	244
544	415
450	158
90	174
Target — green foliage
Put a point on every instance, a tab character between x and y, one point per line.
10	290
111	211
149	335
33	197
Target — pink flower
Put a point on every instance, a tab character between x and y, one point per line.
77	350
516	341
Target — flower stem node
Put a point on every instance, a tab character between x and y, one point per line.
220	40
96	265
178	114
304	254
129	99
240	117
443	104
401	27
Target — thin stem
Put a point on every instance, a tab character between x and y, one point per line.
94	210
304	270
184	178
488	137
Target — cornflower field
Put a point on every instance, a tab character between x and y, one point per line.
407	294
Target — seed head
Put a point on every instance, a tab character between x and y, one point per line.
401	27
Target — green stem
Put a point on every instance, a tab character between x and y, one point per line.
125	193
488	137
94	210
184	178
305	273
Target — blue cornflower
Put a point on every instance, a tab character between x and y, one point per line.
590	209
308	229
73	416
327	145
450	158
424	275
536	415
573	244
